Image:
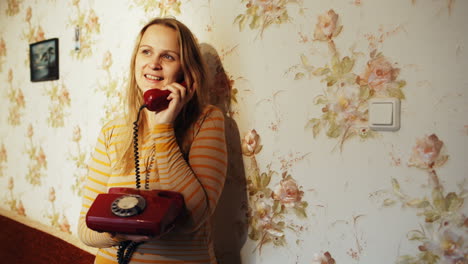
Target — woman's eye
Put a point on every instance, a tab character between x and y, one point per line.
167	56
146	52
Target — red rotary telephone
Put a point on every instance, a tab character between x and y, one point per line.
136	212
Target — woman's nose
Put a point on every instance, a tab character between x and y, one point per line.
155	64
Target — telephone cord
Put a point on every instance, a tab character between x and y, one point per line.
135	147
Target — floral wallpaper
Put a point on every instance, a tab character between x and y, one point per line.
344	103
79	157
268	206
159	8
259	15
308	180
16	100
13	7
3	159
37	164
111	87
3	52
441	235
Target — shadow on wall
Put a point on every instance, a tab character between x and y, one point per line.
230	218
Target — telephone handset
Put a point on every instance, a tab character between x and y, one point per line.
156	99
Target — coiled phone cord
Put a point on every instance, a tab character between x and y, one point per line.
135	148
126	248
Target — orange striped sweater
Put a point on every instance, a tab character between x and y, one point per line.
192	242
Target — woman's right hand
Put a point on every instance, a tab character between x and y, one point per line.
179	96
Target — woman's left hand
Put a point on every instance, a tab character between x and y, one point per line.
178	97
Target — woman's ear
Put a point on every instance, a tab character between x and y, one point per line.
192	88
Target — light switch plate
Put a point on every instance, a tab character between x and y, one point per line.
384	114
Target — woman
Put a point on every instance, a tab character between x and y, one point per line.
182	148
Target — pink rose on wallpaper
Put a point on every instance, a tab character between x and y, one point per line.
327	26
251	143
3	154
41	158
2	48
64	96
93	22
326	258
40	35
20	209
288	193
379	73
64	225
427	153
19	100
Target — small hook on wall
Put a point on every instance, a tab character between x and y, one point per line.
77	39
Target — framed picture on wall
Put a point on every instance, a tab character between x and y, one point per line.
44	60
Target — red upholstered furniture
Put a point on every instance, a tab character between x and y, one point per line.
21	244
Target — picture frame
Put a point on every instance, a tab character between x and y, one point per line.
44	60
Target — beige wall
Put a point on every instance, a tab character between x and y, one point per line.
295	78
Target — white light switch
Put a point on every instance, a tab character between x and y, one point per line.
384	114
381	113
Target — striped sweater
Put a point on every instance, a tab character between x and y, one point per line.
190	243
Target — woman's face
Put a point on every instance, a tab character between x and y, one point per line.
157	61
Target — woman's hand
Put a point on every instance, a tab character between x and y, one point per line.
179	96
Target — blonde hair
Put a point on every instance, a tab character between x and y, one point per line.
194	73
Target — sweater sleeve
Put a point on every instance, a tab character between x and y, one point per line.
201	180
99	170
